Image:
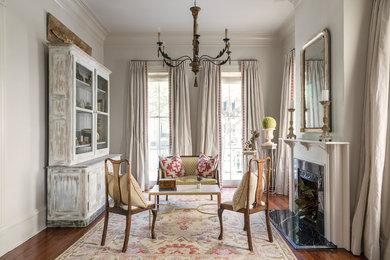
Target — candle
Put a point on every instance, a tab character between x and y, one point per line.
226	33
228	47
196	29
159	39
325	95
164	48
291	104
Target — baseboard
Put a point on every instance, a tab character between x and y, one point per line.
17	233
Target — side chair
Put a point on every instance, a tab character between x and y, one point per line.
258	204
127	196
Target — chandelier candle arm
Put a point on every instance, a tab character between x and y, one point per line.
195	61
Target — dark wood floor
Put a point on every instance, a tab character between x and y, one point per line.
51	242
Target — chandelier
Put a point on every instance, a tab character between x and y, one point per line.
195	61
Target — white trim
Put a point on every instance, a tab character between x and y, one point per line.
184	39
82	13
17	233
2	107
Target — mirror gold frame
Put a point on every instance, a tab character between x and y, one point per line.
324	34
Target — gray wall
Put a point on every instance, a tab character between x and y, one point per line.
348	23
23	186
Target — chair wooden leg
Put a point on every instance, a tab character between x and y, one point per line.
158	201
211	197
154	211
127	233
105	228
166	197
244	225
220	211
269	230
248	231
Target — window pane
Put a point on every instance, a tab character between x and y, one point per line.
231	116
158	120
153	99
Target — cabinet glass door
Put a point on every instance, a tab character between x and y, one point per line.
102	113
84	109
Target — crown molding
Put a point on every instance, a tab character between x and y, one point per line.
81	12
3	2
185	39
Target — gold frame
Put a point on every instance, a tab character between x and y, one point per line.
324	34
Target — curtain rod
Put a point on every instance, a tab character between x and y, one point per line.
214	60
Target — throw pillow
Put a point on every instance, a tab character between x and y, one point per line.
137	198
240	195
206	166
172	166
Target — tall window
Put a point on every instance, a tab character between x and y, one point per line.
231	116
158	120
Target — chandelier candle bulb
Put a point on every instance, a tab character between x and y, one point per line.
159	37
196	28
291	104
226	33
325	95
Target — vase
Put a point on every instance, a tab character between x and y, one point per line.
269	135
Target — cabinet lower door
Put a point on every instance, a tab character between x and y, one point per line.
96	189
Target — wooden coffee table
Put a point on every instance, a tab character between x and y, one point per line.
189	190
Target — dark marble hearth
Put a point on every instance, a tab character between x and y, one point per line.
299	232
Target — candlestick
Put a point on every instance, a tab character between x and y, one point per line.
291	134
226	33
325	95
291	104
159	39
325	128
196	29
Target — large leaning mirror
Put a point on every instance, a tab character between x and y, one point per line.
315	81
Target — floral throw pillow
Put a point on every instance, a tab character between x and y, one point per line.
206	166
172	166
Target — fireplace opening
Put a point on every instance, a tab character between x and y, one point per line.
309	195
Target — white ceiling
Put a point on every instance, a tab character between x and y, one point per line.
260	16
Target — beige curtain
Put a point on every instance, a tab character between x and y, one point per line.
371	222
136	134
283	167
252	103
208	109
181	125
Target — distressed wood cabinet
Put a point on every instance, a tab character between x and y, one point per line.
76	194
79	121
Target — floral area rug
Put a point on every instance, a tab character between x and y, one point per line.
182	234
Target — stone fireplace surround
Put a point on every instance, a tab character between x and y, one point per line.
334	157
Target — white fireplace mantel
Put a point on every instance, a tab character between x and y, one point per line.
334	156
